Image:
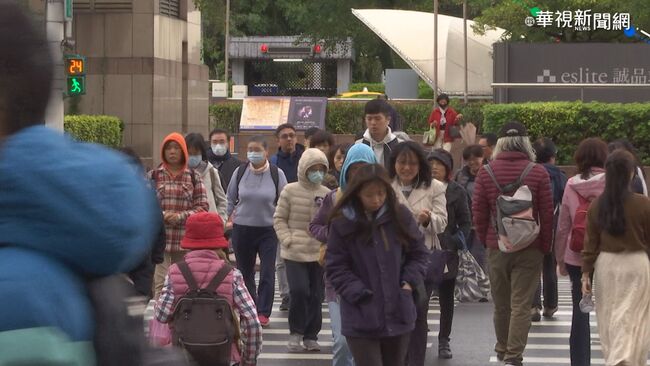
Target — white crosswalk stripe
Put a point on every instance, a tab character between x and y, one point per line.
548	342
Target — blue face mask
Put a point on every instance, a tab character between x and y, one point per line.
316	177
255	157
194	161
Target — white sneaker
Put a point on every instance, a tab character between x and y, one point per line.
311	345
295	343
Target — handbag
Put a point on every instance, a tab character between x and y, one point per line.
472	284
437	267
454	132
429	137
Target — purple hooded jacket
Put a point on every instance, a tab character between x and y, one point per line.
368	268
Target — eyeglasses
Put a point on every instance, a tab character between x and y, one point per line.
286	136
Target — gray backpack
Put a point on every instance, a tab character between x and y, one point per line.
515	224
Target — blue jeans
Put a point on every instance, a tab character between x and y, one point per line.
248	242
580	338
342	354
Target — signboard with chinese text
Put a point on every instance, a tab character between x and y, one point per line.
572	63
264	113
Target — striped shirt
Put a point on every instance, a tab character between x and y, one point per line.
243	304
179	195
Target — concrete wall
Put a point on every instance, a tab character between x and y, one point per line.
146	69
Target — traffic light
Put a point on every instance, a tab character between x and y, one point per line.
75	68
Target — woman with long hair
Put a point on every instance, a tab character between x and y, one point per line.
375	257
616	254
584	187
425	198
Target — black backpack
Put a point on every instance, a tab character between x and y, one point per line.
275	175
203	321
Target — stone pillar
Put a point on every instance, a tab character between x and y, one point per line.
238	70
343	75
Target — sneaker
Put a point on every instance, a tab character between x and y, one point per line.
311	345
501	356
535	315
549	312
284	306
444	351
295	343
264	320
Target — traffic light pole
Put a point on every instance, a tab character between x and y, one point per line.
55	29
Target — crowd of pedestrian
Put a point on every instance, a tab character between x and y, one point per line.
375	228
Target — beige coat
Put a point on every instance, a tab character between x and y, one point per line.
216	195
433	199
297	205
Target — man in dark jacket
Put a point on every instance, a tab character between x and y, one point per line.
514	275
546	152
220	157
289	151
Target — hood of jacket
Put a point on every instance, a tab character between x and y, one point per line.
176	137
390	136
358	153
589	188
310	158
87	208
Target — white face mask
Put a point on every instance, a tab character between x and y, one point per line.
219	149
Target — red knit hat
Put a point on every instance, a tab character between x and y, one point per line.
204	230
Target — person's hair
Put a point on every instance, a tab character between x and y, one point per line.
591	153
219	131
131	154
359	135
544	149
343	148
625	145
424	168
26	70
196	141
473	151
377	174
310	132
514	143
260	140
321	137
441	97
377	106
282	127
490	137
619	168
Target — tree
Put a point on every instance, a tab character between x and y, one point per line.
510	15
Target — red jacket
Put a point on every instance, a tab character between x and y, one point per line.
450	116
507	167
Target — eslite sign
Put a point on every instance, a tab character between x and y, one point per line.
75	68
623	75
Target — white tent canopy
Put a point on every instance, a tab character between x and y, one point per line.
410	35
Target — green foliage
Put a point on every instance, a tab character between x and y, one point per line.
346	117
106	130
568	123
226	116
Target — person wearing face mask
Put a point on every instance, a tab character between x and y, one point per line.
297	205
209	175
445	120
252	196
181	193
220	157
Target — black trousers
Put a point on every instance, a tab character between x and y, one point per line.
305	293
418	345
549	275
389	351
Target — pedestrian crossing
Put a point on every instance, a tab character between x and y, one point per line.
548	342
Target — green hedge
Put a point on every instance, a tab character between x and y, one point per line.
347	117
106	130
567	123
